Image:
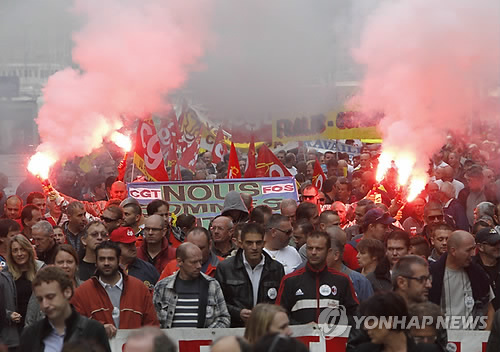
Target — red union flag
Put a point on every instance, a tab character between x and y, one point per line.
250	171
168	134
318	176
148	156
233	168
189	155
268	165
219	147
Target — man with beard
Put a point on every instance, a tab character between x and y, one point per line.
113	298
250	277
73	228
53	289
133	266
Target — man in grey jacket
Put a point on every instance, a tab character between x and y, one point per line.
189	298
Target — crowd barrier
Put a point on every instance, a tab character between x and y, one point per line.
199	340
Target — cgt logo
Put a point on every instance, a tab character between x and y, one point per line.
145	193
280	188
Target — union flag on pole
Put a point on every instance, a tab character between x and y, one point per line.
219	147
318	176
148	156
233	168
268	165
250	171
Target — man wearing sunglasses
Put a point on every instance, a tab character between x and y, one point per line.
277	239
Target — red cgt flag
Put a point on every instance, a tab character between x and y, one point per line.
233	168
251	171
219	147
147	156
318	176
268	165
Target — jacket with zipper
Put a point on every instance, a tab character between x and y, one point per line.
136	304
237	287
306	292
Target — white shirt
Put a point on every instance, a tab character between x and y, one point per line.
457	184
254	275
287	256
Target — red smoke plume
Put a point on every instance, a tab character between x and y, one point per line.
130	54
428	66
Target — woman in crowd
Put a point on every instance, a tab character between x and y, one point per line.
23	267
392	336
264	319
374	264
65	258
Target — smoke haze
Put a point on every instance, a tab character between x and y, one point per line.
429	66
130	54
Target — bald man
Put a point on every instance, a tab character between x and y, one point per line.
188	298
447	175
460	286
452	206
288	207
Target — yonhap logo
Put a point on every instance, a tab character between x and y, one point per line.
333	322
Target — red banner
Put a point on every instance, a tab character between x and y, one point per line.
233	169
168	135
148	156
318	176
250	171
219	147
268	165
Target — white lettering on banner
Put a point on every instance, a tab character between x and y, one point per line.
145	193
196	339
333	145
279	188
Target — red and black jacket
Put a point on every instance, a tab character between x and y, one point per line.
306	292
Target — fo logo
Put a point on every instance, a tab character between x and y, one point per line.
333	322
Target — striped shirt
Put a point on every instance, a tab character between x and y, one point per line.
186	310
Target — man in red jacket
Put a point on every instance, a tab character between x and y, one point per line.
155	248
113	298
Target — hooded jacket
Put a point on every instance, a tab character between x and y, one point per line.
233	201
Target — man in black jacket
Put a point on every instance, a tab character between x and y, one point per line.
488	257
62	324
460	286
250	277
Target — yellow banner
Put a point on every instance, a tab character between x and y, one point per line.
333	125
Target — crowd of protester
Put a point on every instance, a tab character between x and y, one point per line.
83	262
